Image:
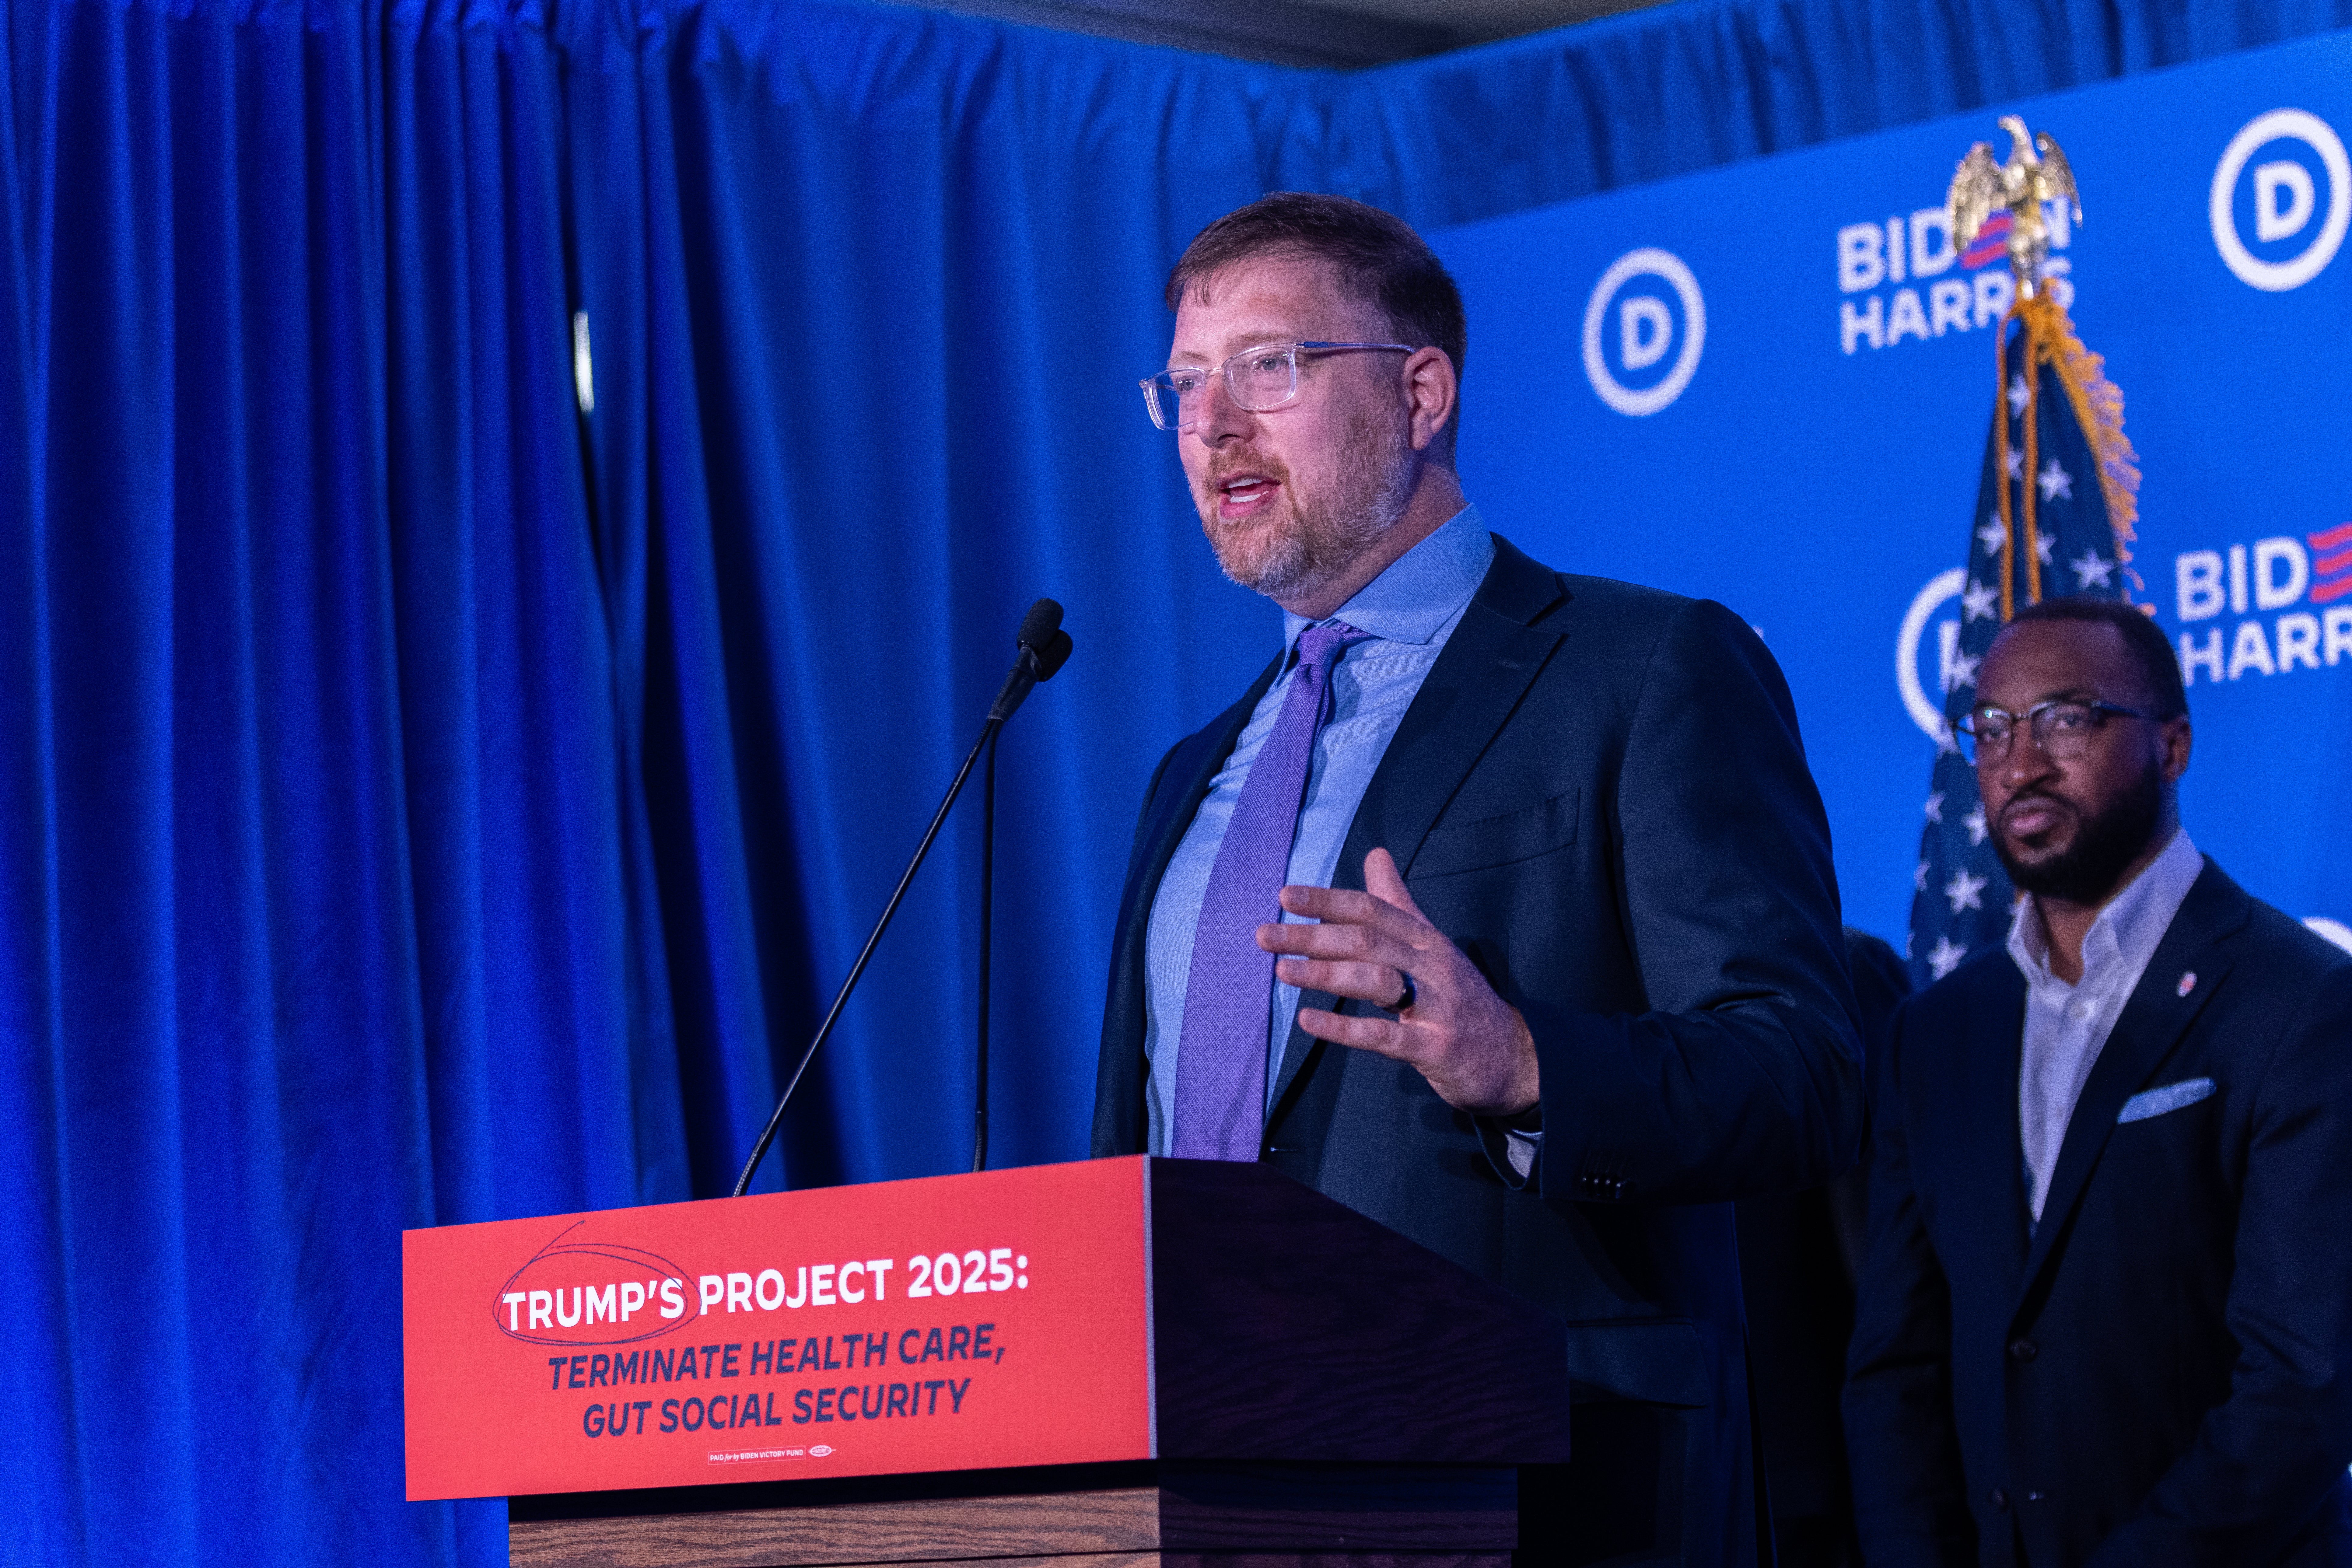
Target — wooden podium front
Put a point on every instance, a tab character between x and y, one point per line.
1116	1361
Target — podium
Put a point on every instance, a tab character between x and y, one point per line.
1119	1362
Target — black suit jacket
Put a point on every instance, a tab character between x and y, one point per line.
2160	1372
1599	795
1800	1256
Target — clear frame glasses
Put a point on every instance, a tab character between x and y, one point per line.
2060	729
1258	378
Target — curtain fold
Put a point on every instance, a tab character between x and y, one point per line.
317	925
35	1401
439	786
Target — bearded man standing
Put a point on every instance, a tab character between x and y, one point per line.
1500	907
2105	1314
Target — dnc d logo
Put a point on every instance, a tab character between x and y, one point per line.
2280	200
1644	328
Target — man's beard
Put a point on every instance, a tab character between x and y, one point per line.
2086	871
1376	479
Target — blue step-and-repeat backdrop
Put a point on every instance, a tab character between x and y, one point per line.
1771	385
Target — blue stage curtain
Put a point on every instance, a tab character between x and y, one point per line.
425	801
1692	85
873	290
318	918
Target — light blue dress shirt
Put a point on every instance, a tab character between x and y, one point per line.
1410	609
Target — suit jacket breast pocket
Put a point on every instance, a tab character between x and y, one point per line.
1500	840
2184	1134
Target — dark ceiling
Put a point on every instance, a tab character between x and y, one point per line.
1343	34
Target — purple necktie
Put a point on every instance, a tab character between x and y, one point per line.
1229	998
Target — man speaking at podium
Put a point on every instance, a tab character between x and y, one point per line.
1500	907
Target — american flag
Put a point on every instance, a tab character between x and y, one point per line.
2054	512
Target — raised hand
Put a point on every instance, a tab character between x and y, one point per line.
1472	1046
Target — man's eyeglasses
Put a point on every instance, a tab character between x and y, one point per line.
1258	379
2060	729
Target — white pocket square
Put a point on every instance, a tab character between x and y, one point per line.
2156	1101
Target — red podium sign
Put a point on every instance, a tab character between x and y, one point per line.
956	1323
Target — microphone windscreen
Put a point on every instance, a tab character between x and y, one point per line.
1038	626
1053	656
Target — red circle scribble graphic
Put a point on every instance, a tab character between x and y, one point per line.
584	1266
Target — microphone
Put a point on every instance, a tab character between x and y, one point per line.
1043	647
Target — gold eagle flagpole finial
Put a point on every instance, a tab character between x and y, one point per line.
2036	173
1981	189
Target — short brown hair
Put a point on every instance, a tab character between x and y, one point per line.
1376	256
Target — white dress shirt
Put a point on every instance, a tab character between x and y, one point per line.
2066	1026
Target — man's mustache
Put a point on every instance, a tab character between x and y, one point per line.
1246	463
2034	797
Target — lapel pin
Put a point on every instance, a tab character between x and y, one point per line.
2188	983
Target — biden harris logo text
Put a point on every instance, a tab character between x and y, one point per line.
2264	608
1904	281
2281	199
1645	329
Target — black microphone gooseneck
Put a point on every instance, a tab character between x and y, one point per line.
1045	648
1041	635
987	919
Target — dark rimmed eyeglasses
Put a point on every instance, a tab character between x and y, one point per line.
2060	729
1259	378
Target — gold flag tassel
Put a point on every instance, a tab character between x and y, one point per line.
2098	408
2099	405
2037	173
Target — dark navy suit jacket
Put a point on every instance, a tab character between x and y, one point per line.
1598	793
2160	1372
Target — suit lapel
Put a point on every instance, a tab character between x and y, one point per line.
1480	674
1175	797
1486	668
2152	1023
